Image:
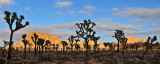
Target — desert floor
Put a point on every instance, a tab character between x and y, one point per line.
78	57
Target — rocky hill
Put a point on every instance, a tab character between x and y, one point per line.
57	40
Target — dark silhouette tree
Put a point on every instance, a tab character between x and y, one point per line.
25	42
46	44
149	40
34	39
40	43
86	32
131	46
64	43
152	40
136	45
95	42
157	43
57	46
105	44
71	40
5	44
19	25
118	35
123	40
77	47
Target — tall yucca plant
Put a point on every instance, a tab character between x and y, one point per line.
19	25
34	39
86	32
25	42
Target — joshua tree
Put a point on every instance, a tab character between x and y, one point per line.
123	41
118	35
147	45
77	47
34	39
57	46
4	48
95	42
136	45
110	46
64	43
40	43
71	40
152	40
10	21
25	42
105	44
86	32
5	44
131	46
46	44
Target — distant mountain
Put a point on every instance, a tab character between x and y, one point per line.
52	38
56	40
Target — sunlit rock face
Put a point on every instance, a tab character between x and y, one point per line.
54	40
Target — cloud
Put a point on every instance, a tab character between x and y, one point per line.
1	17
143	13
115	9
60	13
148	32
139	20
154	25
4	3
70	12
84	12
63	4
89	7
27	8
105	20
113	26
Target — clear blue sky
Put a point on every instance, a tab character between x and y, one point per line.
133	16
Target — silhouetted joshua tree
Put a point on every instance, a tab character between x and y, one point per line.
77	46
5	44
25	42
152	40
118	35
64	43
95	42
4	48
46	44
131	46
86	32
71	40
40	43
136	45
34	39
106	44
123	41
147	46
18	26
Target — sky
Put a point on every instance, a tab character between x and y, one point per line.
138	18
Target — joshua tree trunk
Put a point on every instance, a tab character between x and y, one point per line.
42	49
63	48
123	50
35	51
118	47
71	47
87	49
151	46
25	52
39	49
9	51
